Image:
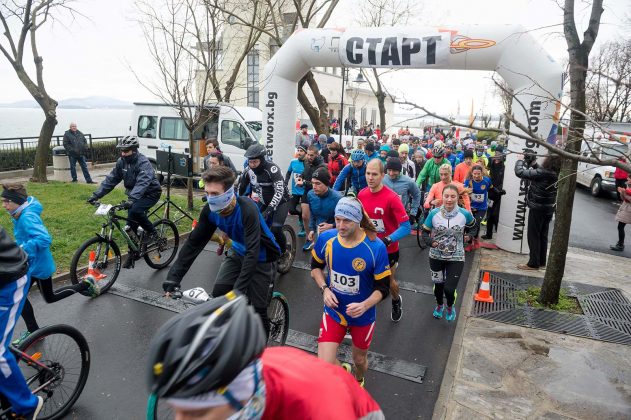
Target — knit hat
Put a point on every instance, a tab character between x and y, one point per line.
349	208
322	175
304	126
394	164
384	148
15	193
393	153
302	147
404	148
369	147
468	153
322	138
330	140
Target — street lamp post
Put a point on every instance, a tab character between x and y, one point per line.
358	81
344	79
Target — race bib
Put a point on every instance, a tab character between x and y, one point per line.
343	283
378	224
477	198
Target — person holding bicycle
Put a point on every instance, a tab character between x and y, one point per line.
141	186
14	285
250	266
358	279
356	169
265	179
33	237
231	375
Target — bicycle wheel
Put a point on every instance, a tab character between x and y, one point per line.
278	313
158	409
163	250
65	351
105	267
287	259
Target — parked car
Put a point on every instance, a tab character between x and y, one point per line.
599	178
159	126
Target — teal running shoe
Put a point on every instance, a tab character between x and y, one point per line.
91	286
438	311
451	314
20	339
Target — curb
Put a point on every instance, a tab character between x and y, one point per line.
455	352
27	173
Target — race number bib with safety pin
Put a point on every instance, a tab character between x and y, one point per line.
343	283
477	198
378	224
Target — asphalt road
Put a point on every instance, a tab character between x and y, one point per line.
593	224
118	330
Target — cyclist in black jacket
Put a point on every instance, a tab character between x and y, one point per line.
250	266
266	180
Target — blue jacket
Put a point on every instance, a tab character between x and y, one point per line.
358	178
31	235
296	168
454	160
138	177
405	187
322	208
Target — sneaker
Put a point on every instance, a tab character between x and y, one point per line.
347	367
617	247
35	413
487	237
397	309
451	314
91	182
526	267
308	246
302	233
221	249
129	262
438	311
20	339
91	286
361	382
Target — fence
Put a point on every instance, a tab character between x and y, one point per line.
19	153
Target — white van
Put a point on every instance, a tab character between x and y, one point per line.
159	126
599	178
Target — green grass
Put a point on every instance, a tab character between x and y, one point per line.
71	221
566	303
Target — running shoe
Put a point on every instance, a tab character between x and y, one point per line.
451	314
20	339
397	309
91	286
347	367
35	413
302	233
308	246
438	311
361	382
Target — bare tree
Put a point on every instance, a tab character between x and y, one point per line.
21	21
609	83
506	95
280	19
181	39
384	13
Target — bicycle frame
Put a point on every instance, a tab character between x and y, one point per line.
40	367
107	231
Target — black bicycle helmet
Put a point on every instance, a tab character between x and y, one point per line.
128	142
204	348
256	151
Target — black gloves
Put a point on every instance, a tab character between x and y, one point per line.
268	212
387	241
127	204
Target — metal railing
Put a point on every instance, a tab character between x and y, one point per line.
19	152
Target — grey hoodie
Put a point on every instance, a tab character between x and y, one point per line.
405	187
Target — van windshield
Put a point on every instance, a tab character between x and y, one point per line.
256	128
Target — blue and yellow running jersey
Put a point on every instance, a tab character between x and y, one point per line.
352	273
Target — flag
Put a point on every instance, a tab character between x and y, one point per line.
471	117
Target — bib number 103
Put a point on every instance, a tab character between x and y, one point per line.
344	283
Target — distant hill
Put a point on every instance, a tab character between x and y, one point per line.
90	102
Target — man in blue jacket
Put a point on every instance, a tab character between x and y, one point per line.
141	186
357	171
403	186
322	202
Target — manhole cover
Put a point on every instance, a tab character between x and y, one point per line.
606	311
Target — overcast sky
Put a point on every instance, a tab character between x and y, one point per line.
92	55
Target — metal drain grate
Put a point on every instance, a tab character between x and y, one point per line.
607	312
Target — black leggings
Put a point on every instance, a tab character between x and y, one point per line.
50	296
294	206
621	232
445	275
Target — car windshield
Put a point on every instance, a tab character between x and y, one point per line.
256	128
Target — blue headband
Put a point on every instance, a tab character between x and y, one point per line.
349	208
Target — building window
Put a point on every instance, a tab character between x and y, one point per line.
351	113
362	120
253	79
373	116
331	113
339	117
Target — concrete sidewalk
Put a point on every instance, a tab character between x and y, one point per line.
498	370
97	172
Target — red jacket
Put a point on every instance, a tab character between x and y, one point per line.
619	173
301	386
335	167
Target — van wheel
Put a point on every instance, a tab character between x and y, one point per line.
596	187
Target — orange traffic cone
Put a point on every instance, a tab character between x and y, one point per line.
92	271
194	225
484	294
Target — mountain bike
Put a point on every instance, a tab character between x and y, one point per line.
287	259
55	362
278	313
100	255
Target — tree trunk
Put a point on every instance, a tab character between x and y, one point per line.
381	102
189	181
43	146
319	116
567	184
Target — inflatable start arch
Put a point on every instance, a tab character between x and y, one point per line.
534	77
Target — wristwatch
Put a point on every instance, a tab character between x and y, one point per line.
324	286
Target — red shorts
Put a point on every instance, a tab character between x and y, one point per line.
333	332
